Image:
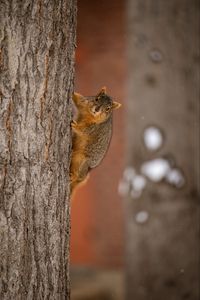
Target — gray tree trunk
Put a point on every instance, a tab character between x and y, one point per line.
162	242
37	40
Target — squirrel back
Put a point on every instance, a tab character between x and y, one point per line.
92	132
100	136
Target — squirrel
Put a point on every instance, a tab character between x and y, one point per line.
91	134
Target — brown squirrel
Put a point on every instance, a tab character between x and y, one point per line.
92	131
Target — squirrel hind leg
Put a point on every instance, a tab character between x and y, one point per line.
78	183
80	178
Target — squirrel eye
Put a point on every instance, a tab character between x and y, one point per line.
107	109
96	99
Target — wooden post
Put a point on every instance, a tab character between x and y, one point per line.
162	224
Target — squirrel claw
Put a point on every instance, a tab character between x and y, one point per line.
73	124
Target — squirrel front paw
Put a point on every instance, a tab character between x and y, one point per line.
75	127
73	124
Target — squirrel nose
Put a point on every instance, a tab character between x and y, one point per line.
97	108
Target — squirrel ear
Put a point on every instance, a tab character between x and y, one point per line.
116	105
77	96
102	91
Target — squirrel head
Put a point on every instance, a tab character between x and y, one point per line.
99	107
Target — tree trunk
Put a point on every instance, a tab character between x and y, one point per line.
162	224
37	41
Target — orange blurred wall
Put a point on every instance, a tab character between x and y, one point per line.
97	215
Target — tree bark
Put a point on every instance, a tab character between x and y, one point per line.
37	41
162	250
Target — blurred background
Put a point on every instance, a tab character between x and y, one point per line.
135	224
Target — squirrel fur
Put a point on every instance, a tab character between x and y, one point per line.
92	132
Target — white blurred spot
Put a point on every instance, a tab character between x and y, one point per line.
155	169
175	177
153	138
123	188
141	217
138	183
129	173
131	183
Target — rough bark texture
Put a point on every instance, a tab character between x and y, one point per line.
37	40
163	253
